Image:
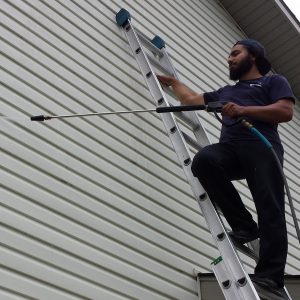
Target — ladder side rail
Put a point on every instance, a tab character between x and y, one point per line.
156	90
231	289
214	223
224	244
287	293
228	287
143	63
190	141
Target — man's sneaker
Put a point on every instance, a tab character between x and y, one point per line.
268	289
243	236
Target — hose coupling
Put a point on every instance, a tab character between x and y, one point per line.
247	124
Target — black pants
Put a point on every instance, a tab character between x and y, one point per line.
217	165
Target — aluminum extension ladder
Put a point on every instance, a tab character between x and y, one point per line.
234	281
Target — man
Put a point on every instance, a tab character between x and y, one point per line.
264	101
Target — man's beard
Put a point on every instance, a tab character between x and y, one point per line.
236	72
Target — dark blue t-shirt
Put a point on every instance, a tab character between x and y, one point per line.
259	92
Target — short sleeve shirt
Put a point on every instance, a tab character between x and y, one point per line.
259	92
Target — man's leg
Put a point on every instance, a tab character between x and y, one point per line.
215	166
267	188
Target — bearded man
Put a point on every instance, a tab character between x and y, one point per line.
264	101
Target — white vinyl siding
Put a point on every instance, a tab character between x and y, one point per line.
99	208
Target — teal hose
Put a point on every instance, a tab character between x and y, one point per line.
261	137
269	145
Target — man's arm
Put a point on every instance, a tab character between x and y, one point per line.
278	112
184	94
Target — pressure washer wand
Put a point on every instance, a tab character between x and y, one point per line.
45	117
166	109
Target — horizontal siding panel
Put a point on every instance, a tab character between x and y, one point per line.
93	191
19	286
72	244
56	278
214	13
105	229
97	269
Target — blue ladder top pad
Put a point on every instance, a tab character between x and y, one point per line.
158	42
122	17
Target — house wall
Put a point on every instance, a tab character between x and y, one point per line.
98	208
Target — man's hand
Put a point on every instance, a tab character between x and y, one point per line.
166	80
278	112
233	110
183	93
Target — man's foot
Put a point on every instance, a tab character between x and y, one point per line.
244	236
268	289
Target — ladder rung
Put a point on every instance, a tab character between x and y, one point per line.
191	141
148	44
157	64
246	250
232	287
186	117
